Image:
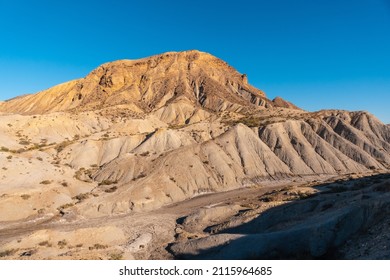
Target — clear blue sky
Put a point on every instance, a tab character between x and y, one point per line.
317	54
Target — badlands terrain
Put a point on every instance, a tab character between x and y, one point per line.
177	156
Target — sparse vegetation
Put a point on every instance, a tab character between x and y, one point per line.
306	195
269	198
4	149
98	247
24	142
144	154
62	243
142	175
25	196
116	256
45	243
67	205
111	190
7	253
45	182
81	197
60	147
83	174
107	182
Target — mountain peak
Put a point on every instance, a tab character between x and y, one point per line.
202	79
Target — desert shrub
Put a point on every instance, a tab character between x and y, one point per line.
82	173
25	196
142	175
111	190
81	197
116	256
7	253
306	195
62	146
98	247
45	182
45	243
269	198
62	243
24	142
64	206
107	182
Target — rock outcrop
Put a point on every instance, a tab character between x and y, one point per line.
149	84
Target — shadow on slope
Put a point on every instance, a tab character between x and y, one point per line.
310	228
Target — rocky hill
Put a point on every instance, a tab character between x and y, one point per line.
137	136
150	84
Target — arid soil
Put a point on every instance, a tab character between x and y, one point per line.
178	156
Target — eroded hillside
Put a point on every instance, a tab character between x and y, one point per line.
104	153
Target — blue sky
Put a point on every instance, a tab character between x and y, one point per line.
318	54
